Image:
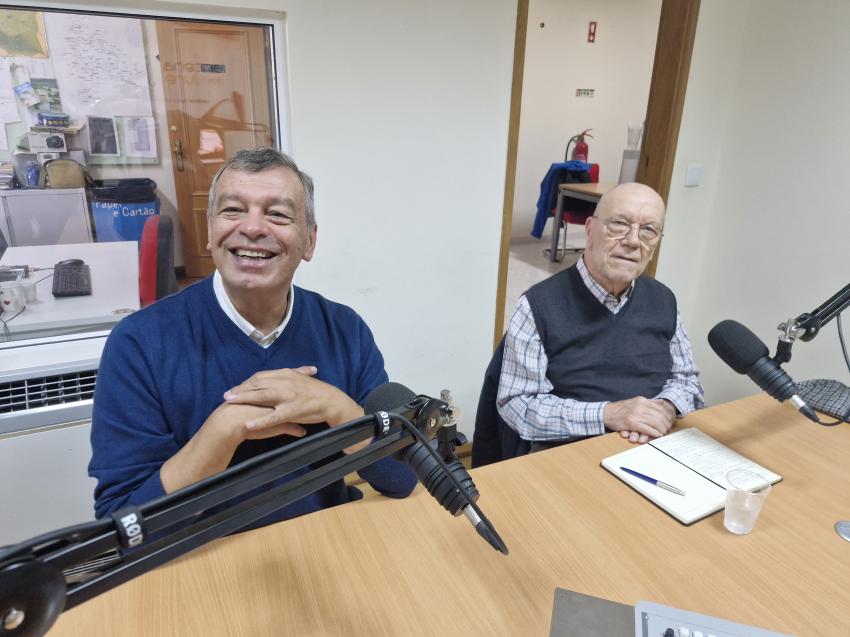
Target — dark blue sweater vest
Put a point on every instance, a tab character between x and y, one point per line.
595	355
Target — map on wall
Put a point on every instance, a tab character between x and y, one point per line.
22	34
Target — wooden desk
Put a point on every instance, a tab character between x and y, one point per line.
586	192
384	567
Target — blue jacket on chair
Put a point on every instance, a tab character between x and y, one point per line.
559	173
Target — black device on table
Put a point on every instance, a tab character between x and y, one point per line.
71	277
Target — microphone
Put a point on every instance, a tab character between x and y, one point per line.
440	471
747	354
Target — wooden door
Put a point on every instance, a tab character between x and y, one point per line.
217	91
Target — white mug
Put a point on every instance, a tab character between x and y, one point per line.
12	300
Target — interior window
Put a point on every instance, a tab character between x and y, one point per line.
111	129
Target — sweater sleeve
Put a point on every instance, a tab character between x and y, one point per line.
390	477
130	436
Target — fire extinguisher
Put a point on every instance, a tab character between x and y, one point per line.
580	152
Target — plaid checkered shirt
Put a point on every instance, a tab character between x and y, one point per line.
526	403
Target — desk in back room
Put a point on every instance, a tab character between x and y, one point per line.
405	567
115	287
591	192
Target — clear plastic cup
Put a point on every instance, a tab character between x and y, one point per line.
30	294
745	498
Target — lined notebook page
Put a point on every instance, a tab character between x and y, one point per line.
706	456
689	460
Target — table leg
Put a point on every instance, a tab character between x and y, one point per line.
556	230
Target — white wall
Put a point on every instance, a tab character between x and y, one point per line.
558	60
765	238
44	485
400	112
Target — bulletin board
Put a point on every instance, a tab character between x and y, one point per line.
92	68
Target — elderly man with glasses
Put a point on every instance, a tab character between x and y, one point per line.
598	347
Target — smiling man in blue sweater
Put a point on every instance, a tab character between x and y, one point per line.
239	363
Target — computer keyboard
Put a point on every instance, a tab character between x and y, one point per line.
71	279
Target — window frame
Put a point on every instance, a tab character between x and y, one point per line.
276	20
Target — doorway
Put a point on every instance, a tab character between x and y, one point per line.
670	67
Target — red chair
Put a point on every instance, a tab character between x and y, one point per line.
156	260
579	213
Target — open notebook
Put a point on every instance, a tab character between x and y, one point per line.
689	460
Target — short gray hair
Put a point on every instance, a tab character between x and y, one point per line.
254	160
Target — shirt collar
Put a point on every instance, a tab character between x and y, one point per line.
241	322
613	303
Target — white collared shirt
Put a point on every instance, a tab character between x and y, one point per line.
264	340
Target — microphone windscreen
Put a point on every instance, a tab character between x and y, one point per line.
387	397
736	345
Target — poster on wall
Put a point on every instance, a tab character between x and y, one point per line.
100	64
139	139
8	106
103	139
47	89
22	33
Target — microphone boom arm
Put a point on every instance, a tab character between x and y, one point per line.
35	586
808	325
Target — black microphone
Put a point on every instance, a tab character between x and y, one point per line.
747	354
425	460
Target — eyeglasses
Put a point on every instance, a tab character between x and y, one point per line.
618	228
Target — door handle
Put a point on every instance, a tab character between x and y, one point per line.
178	155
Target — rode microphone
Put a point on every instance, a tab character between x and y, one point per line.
747	354
434	463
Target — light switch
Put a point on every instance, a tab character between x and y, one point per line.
693	175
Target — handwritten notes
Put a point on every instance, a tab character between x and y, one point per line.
100	64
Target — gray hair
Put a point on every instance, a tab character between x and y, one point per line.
254	160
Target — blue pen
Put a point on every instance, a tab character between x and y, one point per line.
657	483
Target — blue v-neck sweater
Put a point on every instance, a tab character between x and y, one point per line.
164	370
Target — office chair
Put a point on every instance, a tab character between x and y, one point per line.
578	211
156	260
493	439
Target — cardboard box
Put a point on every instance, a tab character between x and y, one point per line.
47	142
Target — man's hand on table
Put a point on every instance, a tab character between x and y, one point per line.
639	418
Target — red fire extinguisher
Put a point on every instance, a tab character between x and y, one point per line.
580	152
